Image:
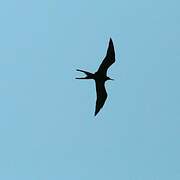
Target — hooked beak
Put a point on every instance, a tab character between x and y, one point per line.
110	78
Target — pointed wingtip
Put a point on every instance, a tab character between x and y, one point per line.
110	42
95	113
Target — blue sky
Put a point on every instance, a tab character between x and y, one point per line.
47	127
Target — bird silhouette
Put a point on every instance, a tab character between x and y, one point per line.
100	76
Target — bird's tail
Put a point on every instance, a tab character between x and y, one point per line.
88	74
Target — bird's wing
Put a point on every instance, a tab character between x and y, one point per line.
109	59
101	96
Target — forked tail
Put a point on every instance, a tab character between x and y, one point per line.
88	74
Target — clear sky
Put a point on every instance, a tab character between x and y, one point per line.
47	127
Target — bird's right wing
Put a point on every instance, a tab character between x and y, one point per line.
101	96
109	59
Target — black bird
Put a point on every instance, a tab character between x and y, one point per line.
101	77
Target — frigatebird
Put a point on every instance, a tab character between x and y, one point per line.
100	76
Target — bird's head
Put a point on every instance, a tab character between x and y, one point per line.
108	78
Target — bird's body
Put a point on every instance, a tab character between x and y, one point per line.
101	77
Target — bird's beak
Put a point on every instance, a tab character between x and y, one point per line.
111	79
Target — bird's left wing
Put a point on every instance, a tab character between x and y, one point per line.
101	96
109	58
